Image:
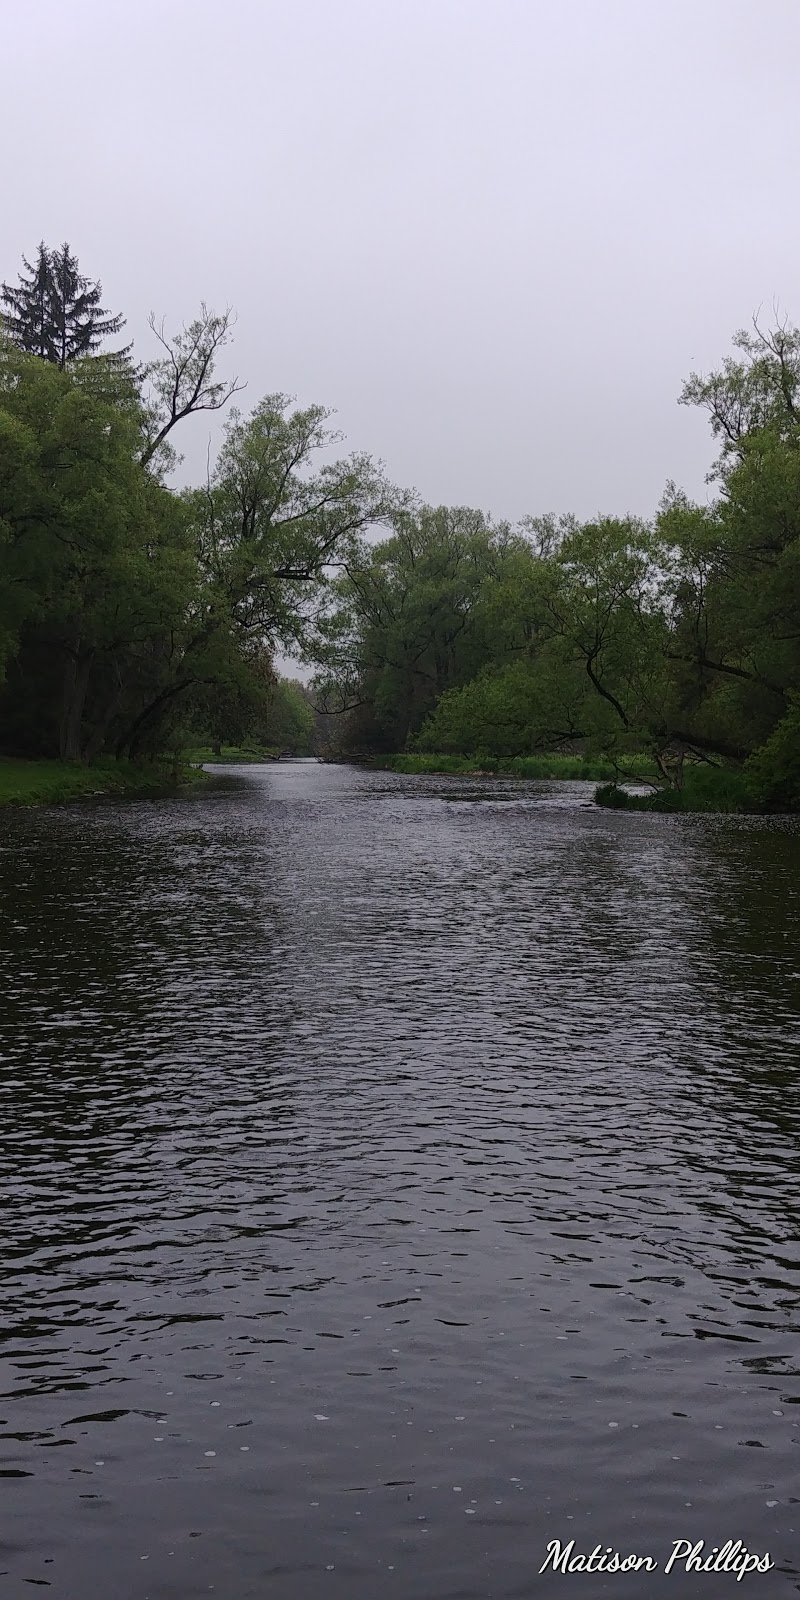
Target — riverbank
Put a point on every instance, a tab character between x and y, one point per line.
230	755
704	788
589	769
31	783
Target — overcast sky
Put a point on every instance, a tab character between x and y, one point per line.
493	234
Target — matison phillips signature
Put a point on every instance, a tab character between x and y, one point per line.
732	1556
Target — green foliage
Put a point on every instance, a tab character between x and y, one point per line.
611	796
772	772
273	714
705	788
677	641
95	563
416	615
135	619
710	788
529	704
230	755
53	782
290	722
127	610
578	768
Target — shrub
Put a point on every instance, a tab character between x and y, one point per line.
772	773
705	788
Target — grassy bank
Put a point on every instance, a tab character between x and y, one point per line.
545	766
705	788
232	754
53	782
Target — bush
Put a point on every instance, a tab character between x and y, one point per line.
705	788
608	794
581	768
772	773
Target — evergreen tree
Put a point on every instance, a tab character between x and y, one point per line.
28	318
81	323
56	313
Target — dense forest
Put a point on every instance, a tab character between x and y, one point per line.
137	617
678	638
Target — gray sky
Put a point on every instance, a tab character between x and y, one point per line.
493	234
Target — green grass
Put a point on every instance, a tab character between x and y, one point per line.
230	754
705	788
544	766
53	782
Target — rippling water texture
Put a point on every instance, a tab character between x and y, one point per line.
398	1174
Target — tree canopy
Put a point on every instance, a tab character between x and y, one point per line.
133	613
678	637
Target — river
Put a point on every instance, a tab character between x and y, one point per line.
398	1174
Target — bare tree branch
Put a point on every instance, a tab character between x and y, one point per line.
182	379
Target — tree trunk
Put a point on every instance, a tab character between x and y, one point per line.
76	683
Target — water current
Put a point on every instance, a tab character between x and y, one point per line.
397	1174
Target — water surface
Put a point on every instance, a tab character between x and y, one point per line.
398	1173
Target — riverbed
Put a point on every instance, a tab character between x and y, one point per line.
399	1173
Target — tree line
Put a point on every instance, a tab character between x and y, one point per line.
134	616
677	637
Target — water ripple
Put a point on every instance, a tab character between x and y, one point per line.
398	1173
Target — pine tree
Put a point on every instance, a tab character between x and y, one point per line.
27	319
81	323
56	312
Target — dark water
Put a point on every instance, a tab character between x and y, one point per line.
398	1174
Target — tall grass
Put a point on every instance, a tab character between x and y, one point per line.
232	754
53	782
705	788
591	769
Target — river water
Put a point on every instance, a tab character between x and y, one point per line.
398	1174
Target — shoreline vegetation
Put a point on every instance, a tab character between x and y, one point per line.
231	755
138	619
704	788
701	786
630	769
24	782
32	783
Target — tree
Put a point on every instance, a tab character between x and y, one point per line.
290	722
735	644
96	567
124	606
265	529
27	319
182	381
80	322
535	703
411	618
601	596
759	391
56	313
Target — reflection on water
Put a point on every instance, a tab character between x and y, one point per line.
398	1173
